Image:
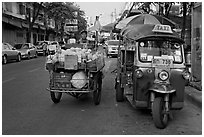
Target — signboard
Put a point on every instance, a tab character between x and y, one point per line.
71	25
162	28
70	28
71	21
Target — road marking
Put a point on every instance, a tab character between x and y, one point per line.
8	80
34	70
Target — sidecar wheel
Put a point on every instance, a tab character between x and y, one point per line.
158	111
97	92
56	96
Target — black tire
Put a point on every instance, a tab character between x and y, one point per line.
160	118
18	58
97	92
56	96
4	59
119	93
36	54
28	56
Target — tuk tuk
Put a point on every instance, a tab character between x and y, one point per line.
151	71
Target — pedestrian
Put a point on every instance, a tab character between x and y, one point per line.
83	40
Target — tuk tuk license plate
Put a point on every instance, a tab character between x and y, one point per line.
161	62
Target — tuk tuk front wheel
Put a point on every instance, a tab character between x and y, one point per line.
160	117
97	92
56	96
119	93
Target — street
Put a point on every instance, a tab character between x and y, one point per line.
27	108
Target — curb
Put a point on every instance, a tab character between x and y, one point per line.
194	96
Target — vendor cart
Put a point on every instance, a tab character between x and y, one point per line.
75	78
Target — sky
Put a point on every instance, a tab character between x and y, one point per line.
104	9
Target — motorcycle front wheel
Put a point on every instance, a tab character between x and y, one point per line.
160	117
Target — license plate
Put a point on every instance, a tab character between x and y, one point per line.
165	62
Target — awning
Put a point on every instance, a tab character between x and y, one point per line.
25	25
42	27
5	19
15	23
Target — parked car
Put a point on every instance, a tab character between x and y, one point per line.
112	48
42	47
10	53
52	47
27	50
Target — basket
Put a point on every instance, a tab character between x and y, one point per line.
96	65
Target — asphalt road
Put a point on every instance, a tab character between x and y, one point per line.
28	110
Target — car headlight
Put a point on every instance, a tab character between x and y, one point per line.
163	75
186	75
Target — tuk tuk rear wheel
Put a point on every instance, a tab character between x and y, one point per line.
97	92
119	93
56	96
158	111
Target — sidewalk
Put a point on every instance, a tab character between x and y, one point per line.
193	93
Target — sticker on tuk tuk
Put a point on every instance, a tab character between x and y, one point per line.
178	52
142	44
144	56
171	57
162	28
149	58
177	58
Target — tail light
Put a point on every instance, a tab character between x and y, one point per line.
139	73
163	75
186	75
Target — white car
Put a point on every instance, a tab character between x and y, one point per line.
112	48
52	47
27	50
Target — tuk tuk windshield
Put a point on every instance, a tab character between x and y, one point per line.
151	49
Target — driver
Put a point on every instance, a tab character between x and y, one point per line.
166	49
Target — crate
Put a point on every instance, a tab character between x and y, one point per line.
71	62
58	80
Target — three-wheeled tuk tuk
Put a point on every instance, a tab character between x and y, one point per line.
75	73
151	70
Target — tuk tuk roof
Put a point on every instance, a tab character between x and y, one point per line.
147	31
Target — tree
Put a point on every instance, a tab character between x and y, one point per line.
186	11
32	12
60	11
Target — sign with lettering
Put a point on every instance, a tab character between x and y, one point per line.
70	28
162	28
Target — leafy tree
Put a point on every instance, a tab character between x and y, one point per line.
60	11
186	11
32	12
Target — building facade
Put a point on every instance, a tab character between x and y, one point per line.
15	24
196	41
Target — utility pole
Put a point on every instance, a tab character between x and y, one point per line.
115	15
111	17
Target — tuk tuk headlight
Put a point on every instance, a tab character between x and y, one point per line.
139	73
186	75
163	75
